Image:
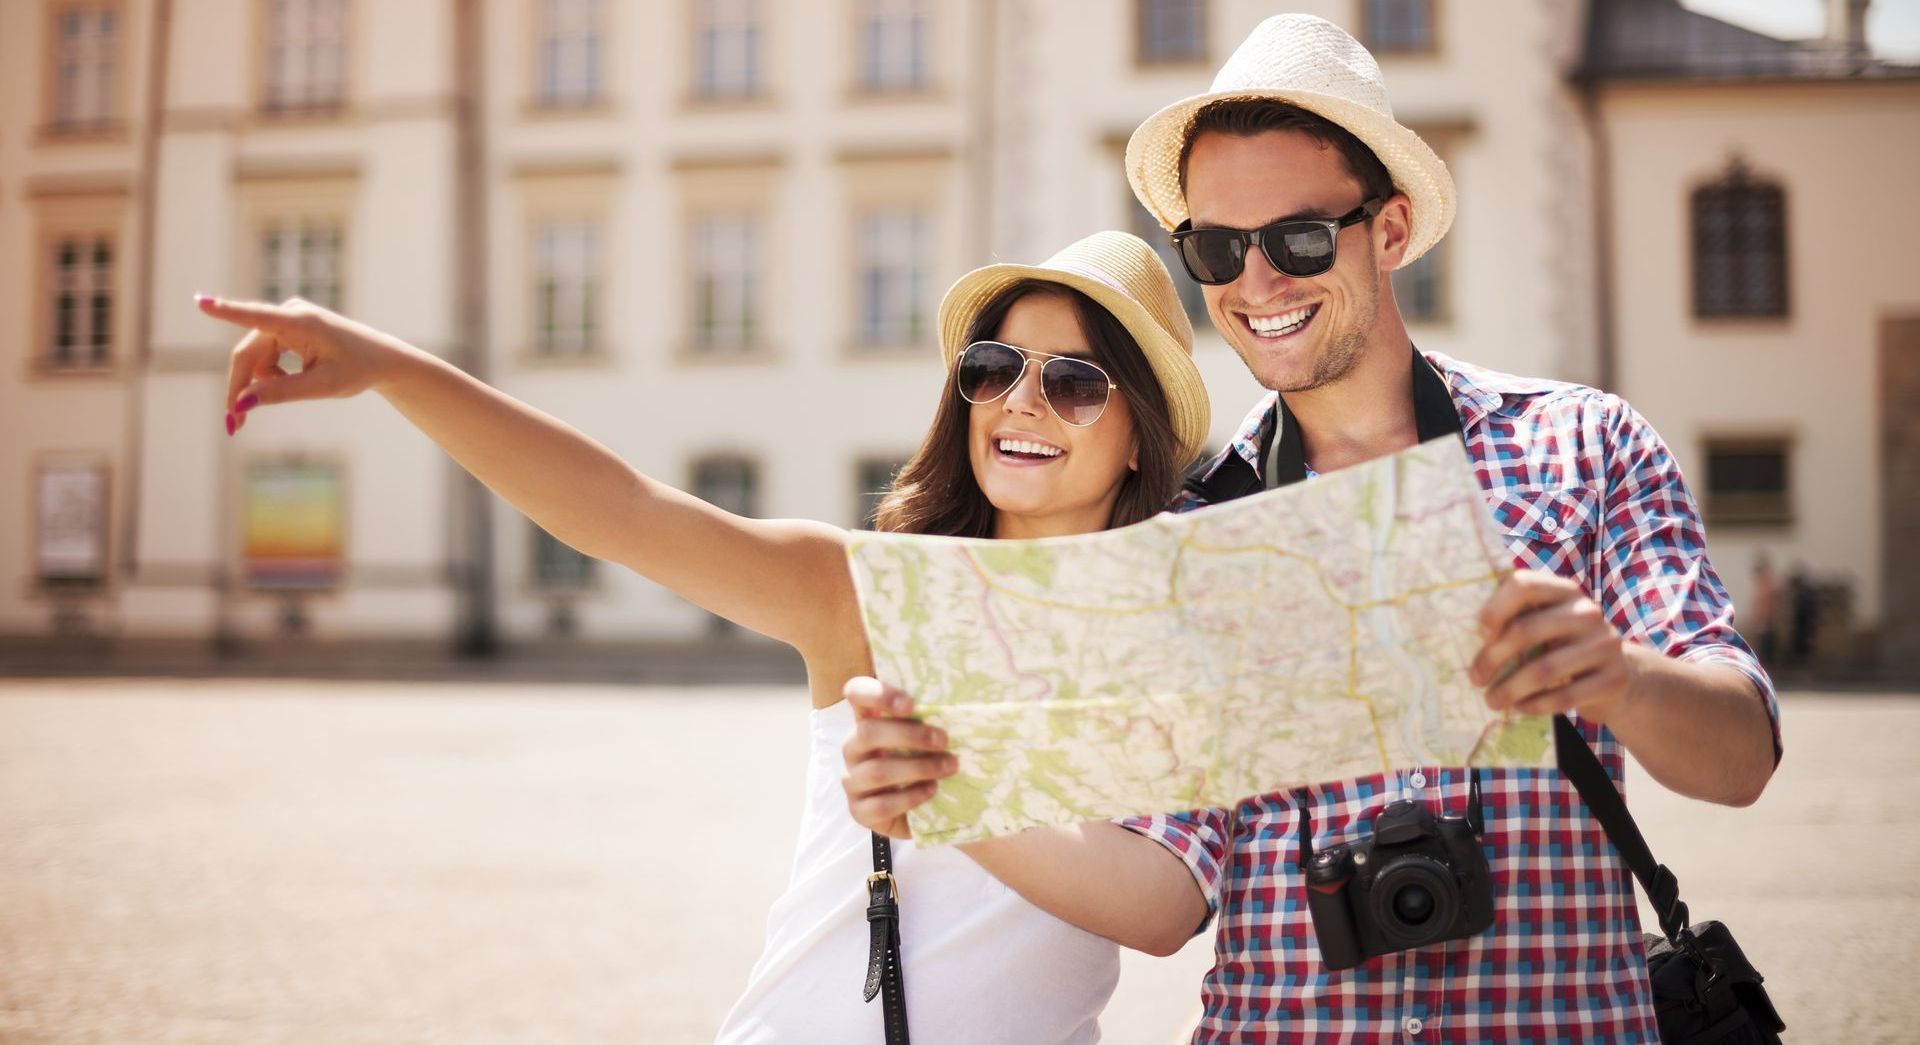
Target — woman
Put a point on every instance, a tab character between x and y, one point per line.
1071	405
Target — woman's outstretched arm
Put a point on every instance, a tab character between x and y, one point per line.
786	579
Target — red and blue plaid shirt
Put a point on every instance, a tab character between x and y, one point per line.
1583	487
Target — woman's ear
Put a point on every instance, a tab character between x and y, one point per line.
1133	459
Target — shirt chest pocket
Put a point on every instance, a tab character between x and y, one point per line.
1549	528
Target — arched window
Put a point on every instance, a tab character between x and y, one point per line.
1739	247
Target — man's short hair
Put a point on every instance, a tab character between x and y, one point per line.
1246	117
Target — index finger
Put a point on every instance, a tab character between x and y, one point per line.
256	314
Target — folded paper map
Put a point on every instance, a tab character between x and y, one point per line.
1313	633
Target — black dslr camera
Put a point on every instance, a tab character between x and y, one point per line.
1417	881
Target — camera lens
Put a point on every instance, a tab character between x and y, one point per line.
1414	901
1413	904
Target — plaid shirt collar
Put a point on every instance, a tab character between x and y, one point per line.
1477	393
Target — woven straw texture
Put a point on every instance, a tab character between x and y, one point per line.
1123	274
1312	63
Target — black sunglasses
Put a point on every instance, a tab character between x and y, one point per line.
1076	390
1295	247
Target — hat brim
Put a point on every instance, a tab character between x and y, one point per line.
1188	407
1153	159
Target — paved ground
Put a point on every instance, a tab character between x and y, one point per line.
264	862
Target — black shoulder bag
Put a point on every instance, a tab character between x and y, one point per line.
1704	989
883	943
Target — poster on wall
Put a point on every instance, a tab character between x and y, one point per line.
295	525
72	524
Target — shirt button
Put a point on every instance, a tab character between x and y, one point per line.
1414	1026
1418	780
1549	524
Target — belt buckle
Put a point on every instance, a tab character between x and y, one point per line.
893	884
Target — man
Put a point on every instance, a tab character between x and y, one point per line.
1616	617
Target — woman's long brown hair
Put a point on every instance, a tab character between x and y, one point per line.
935	491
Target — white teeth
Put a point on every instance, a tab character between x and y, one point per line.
1021	446
1284	323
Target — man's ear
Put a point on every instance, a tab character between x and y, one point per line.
1392	229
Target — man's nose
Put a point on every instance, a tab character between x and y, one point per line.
1025	396
1259	281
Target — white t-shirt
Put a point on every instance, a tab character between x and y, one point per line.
981	965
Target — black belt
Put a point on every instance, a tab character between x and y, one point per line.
883	947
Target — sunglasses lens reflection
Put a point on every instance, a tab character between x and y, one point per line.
1214	255
987	370
1077	391
1306	250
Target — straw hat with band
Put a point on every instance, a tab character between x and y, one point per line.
1124	276
1313	64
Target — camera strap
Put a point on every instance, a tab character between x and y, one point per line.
1603	800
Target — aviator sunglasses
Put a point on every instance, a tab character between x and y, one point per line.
1075	389
1294	247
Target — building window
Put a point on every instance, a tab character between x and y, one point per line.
570	48
557	567
726	290
873	480
85	67
81	309
728	482
565	288
1420	288
72	525
1147	228
893	45
1739	248
1170	31
726	49
1748	482
306	56
1398	26
892	268
301	258
731	484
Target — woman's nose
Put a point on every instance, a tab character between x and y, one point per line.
1025	396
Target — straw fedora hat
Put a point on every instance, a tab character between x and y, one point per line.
1124	275
1311	63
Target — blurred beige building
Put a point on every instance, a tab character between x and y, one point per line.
712	233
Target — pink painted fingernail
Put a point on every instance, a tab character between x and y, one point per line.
230	424
203	299
247	402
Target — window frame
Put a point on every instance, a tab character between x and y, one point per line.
1740	185
749	223
868	257
280	197
265	105
1743	509
702	85
1137	16
587	341
111	123
865	83
1369	33
596	94
92	216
